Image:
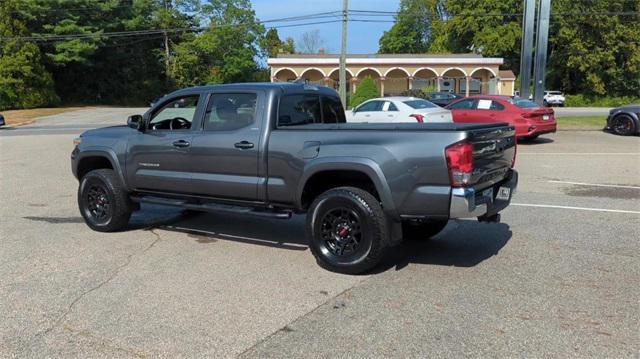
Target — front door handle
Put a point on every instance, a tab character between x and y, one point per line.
244	145
181	143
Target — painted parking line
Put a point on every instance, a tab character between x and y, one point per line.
574	208
580	153
595	184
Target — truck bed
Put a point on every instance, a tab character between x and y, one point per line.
444	127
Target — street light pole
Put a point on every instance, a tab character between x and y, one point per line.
342	73
526	49
541	50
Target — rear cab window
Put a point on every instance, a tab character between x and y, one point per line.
304	109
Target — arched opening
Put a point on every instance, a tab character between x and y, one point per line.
285	75
368	72
396	82
334	80
425	79
313	76
483	82
453	80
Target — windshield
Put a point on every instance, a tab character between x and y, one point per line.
522	103
555	93
419	104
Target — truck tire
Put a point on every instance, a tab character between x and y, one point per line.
347	230
623	125
103	201
422	231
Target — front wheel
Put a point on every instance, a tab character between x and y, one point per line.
103	202
422	230
347	230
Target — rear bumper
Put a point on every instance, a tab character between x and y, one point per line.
469	203
538	128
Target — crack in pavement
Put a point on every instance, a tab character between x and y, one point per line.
100	285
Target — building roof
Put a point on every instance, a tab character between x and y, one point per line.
385	59
506	75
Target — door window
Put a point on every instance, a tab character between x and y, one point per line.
496	106
176	114
332	111
468	104
298	110
370	106
389	106
230	111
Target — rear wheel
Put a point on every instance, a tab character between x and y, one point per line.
348	230
422	230
623	125
103	202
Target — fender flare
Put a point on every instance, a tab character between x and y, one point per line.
106	152
361	164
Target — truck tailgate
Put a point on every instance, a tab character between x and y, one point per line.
494	151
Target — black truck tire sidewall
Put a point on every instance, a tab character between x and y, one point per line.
375	237
121	206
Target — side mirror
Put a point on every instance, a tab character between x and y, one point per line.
136	122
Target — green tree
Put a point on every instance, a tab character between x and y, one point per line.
366	90
24	82
226	51
271	43
289	45
597	55
412	32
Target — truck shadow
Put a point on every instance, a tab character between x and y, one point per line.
463	243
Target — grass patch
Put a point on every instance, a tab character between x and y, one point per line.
589	122
23	117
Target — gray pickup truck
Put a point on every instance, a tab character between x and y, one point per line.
275	149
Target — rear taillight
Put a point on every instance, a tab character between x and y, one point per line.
460	163
418	117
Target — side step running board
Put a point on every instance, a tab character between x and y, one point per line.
213	207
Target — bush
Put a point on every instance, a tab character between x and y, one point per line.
365	91
599	101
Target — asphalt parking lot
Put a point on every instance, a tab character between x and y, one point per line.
560	276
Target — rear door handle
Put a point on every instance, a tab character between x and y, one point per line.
244	145
181	143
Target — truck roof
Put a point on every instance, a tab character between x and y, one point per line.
284	87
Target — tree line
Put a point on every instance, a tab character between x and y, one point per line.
126	51
594	45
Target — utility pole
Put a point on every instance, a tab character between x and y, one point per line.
342	73
526	49
541	50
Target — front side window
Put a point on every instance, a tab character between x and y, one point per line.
332	110
370	106
230	111
298	110
176	114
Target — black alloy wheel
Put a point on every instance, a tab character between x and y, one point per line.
623	125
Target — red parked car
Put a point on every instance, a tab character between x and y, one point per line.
529	119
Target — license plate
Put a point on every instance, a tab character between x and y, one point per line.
504	193
545	118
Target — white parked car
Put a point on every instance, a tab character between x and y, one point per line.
399	109
553	98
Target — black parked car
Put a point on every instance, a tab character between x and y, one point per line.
1	120
442	99
624	120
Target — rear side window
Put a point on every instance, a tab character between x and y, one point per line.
230	111
523	103
495	105
468	104
332	110
298	110
419	104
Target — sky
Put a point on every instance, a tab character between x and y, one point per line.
362	38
